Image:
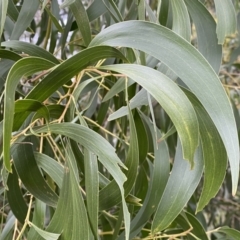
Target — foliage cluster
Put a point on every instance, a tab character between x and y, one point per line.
119	119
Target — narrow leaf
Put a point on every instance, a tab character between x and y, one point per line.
26	15
230	232
92	189
110	196
226	19
181	20
81	17
30	49
51	167
46	235
30	175
3	8
207	41
31	65
176	105
180	187
15	197
214	153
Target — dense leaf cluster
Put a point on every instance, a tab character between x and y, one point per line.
119	119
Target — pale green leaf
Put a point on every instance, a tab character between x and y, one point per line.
46	235
176	105
30	49
3	12
207	41
179	189
235	234
181	20
54	169
214	153
26	14
226	19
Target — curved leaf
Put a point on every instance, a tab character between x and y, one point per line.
81	17
15	197
51	167
226	19
30	49
190	66
181	20
230	232
9	55
72	66
207	41
109	196
176	105
180	186
24	67
30	175
214	153
3	9
24	19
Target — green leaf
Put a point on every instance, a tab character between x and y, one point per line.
81	17
12	11
207	41
158	179
214	153
23	67
179	55
138	100
30	49
3	8
226	19
92	189
198	229
230	232
15	197
99	146
46	235
9	55
38	219
27	13
96	9
180	187
30	105
181	20
110	196
9	226
120	84
51	167
54	20
176	105
92	186
30	175
72	66
70	204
